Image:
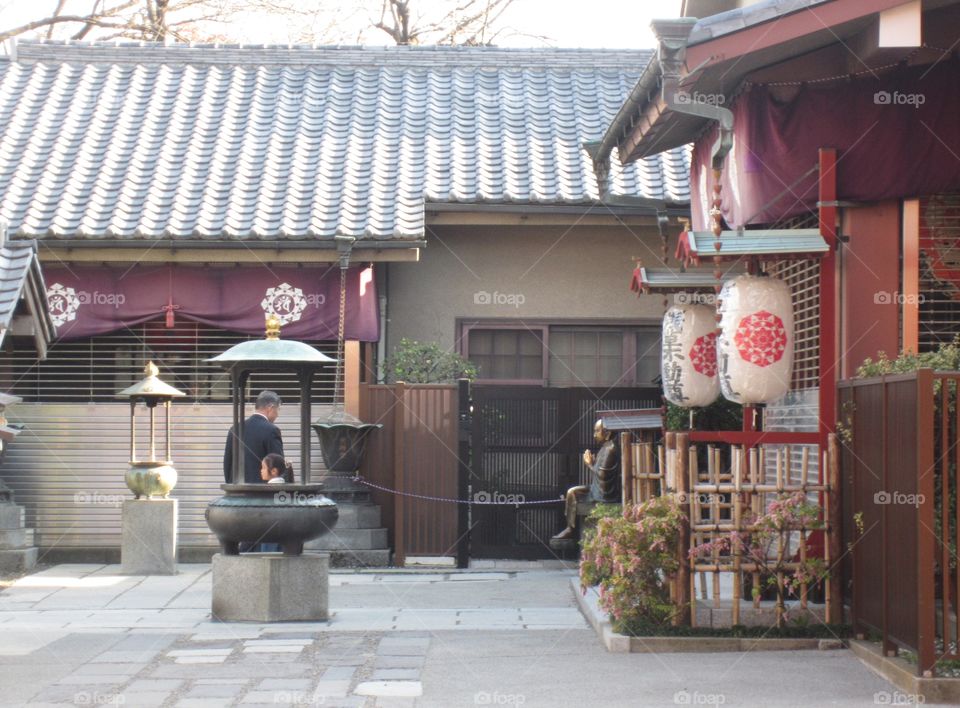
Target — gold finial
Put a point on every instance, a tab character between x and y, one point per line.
151	369
273	327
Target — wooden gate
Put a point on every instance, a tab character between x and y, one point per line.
527	444
413	461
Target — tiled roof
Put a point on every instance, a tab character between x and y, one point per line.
151	141
20	277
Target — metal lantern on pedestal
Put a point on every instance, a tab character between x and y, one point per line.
755	347
151	477
287	514
342	435
688	363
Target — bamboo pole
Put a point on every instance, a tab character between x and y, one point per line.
736	549
662	458
832	553
756	461
684	594
715	515
626	469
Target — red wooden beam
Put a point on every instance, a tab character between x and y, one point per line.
754	438
781	30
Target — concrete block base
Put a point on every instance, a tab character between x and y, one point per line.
149	542
16	538
269	587
11	516
17	560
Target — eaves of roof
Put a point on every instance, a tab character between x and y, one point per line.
721	51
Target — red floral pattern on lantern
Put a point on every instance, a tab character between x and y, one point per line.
761	338
703	354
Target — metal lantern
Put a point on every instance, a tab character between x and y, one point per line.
343	437
287	514
151	477
688	362
755	348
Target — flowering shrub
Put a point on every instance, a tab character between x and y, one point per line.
632	557
766	543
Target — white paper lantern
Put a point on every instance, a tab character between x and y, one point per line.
688	361
755	348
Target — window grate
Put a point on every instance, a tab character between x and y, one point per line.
939	303
95	369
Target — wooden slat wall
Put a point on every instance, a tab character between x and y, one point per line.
423	460
67	467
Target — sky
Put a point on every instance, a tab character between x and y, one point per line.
568	23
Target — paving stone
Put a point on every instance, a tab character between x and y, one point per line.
146	699
87	680
219	659
59	693
270	697
252	670
220	681
123	657
272	659
340	660
396	675
273	684
476	577
339	673
277	642
332	688
390	688
204	703
108	669
145	685
395	702
399	662
200	652
214	690
419	642
401	651
274	649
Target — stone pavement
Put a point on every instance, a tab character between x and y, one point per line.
87	635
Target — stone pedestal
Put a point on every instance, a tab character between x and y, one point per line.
17	552
268	587
359	540
149	544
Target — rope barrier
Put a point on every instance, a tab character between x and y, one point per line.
494	502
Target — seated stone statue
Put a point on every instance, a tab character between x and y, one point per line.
605	481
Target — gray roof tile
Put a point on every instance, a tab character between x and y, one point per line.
137	140
20	277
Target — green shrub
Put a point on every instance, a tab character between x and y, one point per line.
426	363
719	415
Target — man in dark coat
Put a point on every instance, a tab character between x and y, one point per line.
260	438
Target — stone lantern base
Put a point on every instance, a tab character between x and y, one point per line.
270	587
149	544
17	552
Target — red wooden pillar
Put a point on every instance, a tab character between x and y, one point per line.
828	297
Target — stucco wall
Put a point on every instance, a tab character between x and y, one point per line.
535	272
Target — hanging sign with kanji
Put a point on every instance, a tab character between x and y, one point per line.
688	361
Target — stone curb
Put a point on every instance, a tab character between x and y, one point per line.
622	644
902	674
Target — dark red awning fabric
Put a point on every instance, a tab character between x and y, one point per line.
897	137
86	301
